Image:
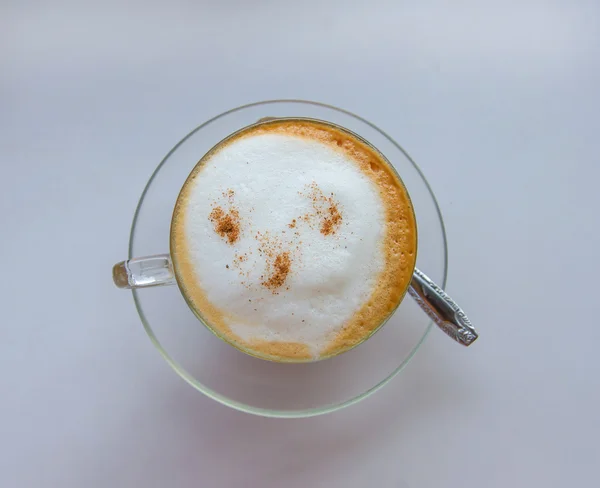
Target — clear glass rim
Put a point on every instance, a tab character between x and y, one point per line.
228	401
215	331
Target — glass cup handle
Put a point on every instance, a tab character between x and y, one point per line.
144	272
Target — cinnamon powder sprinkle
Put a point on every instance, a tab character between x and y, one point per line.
280	271
226	224
331	221
326	211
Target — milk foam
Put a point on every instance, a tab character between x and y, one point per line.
277	183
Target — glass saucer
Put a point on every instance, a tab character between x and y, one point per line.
253	385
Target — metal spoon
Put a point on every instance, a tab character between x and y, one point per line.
441	309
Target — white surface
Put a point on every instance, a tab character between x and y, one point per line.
499	105
274	178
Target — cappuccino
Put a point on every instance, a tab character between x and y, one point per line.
293	240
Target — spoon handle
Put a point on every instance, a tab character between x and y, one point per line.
441	309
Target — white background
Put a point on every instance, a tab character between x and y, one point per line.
498	102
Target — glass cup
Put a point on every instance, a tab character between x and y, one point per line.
164	269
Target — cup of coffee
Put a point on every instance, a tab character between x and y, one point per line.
294	240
